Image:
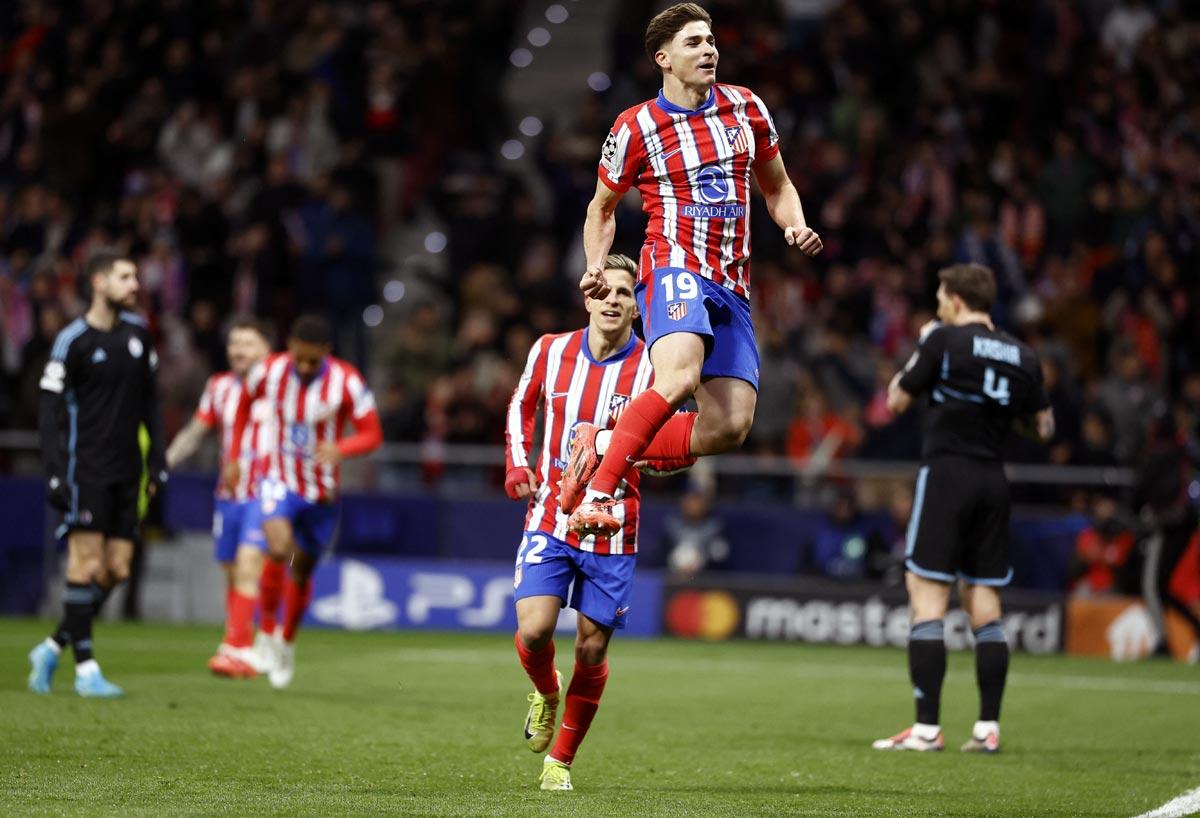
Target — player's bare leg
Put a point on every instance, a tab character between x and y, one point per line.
982	604
237	659
88	562
537	617
677	359
297	593
929	600
582	701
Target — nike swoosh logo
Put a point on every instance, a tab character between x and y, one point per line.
669	154
554	395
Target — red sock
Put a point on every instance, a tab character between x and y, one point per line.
270	587
295	603
674	439
539	664
639	423
239	620
583	699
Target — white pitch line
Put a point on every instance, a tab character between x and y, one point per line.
1186	804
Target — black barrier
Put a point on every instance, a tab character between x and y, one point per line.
822	612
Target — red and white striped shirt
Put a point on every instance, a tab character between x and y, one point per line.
574	388
218	406
304	415
692	169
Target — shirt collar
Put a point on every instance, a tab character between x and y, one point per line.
672	108
621	355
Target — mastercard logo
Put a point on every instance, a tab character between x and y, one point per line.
703	615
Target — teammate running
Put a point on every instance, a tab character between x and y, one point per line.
309	398
690	153
980	380
237	529
586	376
98	390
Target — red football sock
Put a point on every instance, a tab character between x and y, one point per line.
539	664
239	621
295	603
583	699
639	423
270	588
674	439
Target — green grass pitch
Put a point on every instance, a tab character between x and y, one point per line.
430	724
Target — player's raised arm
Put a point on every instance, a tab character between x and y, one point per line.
599	230
783	203
519	479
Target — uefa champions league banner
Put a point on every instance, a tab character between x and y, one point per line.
389	593
822	611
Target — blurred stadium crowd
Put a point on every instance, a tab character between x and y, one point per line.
260	156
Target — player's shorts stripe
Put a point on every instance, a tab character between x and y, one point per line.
914	522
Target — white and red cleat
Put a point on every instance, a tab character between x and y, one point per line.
985	738
595	517
909	740
231	667
582	463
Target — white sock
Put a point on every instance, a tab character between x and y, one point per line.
926	732
87	668
982	728
54	646
602	438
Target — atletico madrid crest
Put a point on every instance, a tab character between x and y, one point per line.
677	310
737	138
616	405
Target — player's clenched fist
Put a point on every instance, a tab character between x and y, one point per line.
804	238
593	284
519	483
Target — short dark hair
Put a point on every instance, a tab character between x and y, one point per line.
312	329
973	283
254	325
667	23
102	261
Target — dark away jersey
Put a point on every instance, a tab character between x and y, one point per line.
97	389
979	380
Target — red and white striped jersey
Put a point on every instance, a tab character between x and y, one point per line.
574	388
692	169
304	415
218	407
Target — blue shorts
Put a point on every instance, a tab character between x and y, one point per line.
313	524
235	523
682	301
603	582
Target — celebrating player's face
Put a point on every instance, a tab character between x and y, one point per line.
614	312
692	55
119	286
308	357
246	347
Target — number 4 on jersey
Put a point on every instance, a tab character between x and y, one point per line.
996	387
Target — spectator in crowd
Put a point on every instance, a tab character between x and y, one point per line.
839	547
1105	561
694	538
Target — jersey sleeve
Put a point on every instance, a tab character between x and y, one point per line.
622	156
922	368
206	412
766	138
361	399
56	379
522	407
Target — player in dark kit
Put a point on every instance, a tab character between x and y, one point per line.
979	381
97	390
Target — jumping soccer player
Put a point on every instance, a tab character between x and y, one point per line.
98	390
237	529
309	398
980	380
690	153
586	376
